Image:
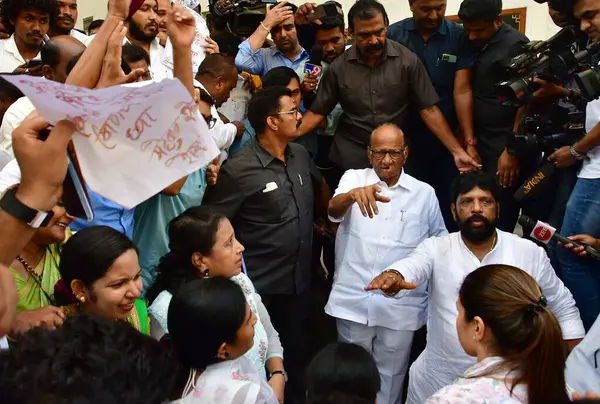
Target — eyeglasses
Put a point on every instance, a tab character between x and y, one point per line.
468	203
395	154
294	111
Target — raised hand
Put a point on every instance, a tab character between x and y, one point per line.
49	317
277	15
181	27
112	74
120	8
43	163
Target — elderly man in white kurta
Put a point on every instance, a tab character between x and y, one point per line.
446	261
384	214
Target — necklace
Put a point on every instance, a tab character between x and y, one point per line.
36	277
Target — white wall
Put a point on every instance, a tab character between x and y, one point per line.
538	25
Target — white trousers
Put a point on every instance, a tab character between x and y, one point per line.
390	349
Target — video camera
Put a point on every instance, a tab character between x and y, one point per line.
244	16
551	60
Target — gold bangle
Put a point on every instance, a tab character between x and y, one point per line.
265	27
392	293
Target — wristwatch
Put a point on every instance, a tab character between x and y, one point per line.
279	372
576	154
33	217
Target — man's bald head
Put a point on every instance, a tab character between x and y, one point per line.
388	152
388	132
56	54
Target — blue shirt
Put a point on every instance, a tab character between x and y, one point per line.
152	220
448	39
265	59
107	213
239	143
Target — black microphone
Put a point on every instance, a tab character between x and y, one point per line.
543	232
536	183
313	66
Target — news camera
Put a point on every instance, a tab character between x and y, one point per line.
588	82
244	16
553	60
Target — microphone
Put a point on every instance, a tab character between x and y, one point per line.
314	67
536	183
543	232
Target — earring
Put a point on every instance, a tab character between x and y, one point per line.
81	299
206	274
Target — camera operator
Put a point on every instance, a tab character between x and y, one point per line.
495	43
279	22
582	216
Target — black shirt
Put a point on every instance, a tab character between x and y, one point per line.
371	97
493	121
270	204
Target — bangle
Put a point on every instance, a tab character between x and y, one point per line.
265	27
471	142
391	293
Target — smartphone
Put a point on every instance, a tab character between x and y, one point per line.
324	10
75	197
34	63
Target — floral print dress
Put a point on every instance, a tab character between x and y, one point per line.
494	388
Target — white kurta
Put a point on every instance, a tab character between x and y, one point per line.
445	262
363	246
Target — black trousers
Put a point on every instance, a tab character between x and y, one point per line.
289	315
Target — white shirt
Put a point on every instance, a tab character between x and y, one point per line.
363	246
591	167
159	71
10	57
236	106
83	38
222	133
445	262
13	117
582	372
10	175
3	343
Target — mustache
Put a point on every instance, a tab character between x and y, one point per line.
35	34
375	47
66	17
477	216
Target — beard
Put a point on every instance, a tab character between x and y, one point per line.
476	234
138	34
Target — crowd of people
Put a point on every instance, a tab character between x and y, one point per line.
353	242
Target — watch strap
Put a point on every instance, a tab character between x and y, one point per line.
576	154
279	372
33	217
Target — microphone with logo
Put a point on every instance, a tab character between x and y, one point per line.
313	67
543	232
536	183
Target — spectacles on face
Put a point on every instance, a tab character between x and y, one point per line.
395	154
468	203
292	112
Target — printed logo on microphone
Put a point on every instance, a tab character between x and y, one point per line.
543	232
314	70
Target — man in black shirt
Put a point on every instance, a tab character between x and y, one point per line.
266	190
495	44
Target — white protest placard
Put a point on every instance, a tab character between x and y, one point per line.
197	46
131	141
